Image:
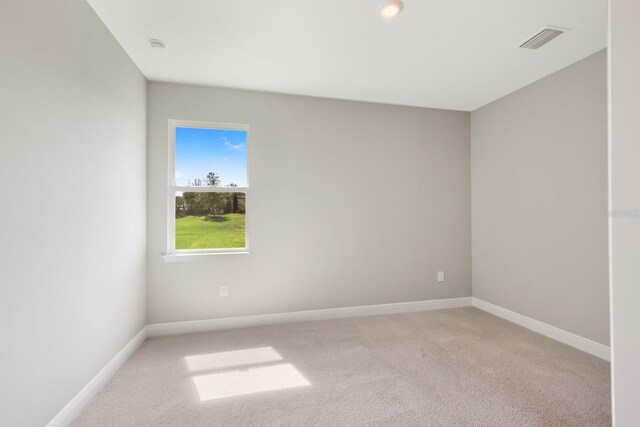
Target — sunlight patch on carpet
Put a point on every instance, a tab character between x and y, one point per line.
255	380
231	359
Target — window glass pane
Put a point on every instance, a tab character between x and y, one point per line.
201	152
210	220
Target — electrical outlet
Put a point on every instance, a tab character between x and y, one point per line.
224	290
440	276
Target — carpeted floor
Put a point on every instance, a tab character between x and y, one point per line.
458	367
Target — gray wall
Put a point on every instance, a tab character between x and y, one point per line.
625	200
351	204
73	172
539	195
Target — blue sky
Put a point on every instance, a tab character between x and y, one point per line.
200	151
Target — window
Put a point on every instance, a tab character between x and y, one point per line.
208	188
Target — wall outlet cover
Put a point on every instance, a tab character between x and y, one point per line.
224	290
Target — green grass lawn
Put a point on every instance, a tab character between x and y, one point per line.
225	231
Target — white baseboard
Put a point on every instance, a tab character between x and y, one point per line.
176	328
581	343
80	401
73	409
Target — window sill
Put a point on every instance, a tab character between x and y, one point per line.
199	257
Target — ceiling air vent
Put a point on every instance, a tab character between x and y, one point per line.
543	37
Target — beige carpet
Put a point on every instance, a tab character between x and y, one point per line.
458	367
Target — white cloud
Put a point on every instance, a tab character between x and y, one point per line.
234	147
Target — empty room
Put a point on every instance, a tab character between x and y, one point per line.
338	213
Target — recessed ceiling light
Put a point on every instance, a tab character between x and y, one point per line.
156	44
391	9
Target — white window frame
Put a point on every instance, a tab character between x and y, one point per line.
172	253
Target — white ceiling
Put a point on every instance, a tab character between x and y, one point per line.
454	54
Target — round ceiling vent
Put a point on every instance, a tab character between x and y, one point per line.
157	44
